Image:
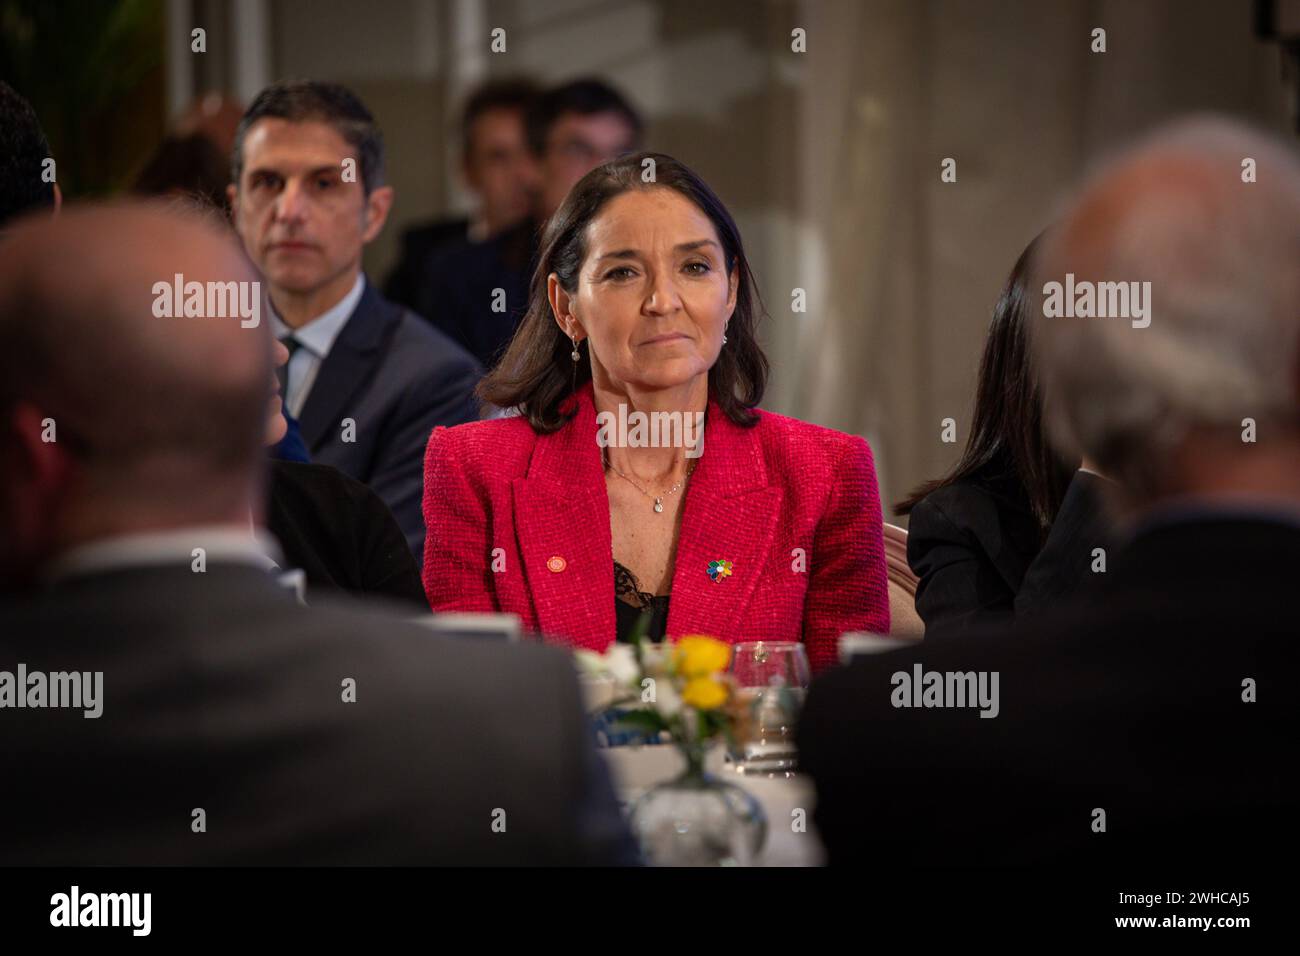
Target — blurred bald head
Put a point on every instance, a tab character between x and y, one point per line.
157	421
1208	212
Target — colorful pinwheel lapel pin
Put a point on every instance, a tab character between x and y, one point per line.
719	569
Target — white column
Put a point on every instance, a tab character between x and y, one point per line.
179	59
250	28
467	66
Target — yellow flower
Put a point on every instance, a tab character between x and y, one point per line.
699	656
704	693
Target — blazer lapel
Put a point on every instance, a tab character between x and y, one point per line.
353	361
562	512
562	524
730	514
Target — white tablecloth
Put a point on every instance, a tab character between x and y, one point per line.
791	837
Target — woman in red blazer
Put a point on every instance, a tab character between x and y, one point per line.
581	512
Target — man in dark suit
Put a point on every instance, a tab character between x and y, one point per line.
164	701
367	380
1151	725
477	292
498	168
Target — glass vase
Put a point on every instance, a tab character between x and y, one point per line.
697	819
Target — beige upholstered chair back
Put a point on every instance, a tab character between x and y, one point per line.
904	621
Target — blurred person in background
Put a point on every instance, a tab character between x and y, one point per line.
217	690
23	154
1011	529
643	303
1150	722
366	379
478	292
574	128
215	116
185	165
498	168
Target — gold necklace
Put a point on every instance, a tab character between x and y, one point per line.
658	499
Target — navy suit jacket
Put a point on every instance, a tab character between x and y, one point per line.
418	243
456	289
396	378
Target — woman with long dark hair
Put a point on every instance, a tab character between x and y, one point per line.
738	524
1014	524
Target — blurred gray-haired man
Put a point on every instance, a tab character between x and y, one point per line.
175	704
1150	723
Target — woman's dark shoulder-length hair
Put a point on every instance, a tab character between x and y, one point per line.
1008	438
537	372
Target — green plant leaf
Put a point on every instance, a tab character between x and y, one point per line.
641	719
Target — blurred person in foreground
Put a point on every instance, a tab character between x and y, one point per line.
367	380
498	169
1011	529
1152	725
477	292
221	730
756	527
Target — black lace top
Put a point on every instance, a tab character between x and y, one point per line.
630	602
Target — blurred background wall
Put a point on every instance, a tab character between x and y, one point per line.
829	158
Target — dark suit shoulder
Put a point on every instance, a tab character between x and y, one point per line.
464	699
336	733
417	243
414	344
310	493
424	236
432	348
1114	704
321	482
340	533
336	624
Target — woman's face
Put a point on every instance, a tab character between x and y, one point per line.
653	296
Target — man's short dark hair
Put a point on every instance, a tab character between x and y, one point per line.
584	97
23	151
514	93
300	101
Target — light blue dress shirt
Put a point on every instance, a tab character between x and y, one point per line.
317	338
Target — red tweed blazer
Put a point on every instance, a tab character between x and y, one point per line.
793	506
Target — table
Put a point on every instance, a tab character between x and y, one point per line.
636	769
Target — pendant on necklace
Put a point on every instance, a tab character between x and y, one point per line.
659	506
